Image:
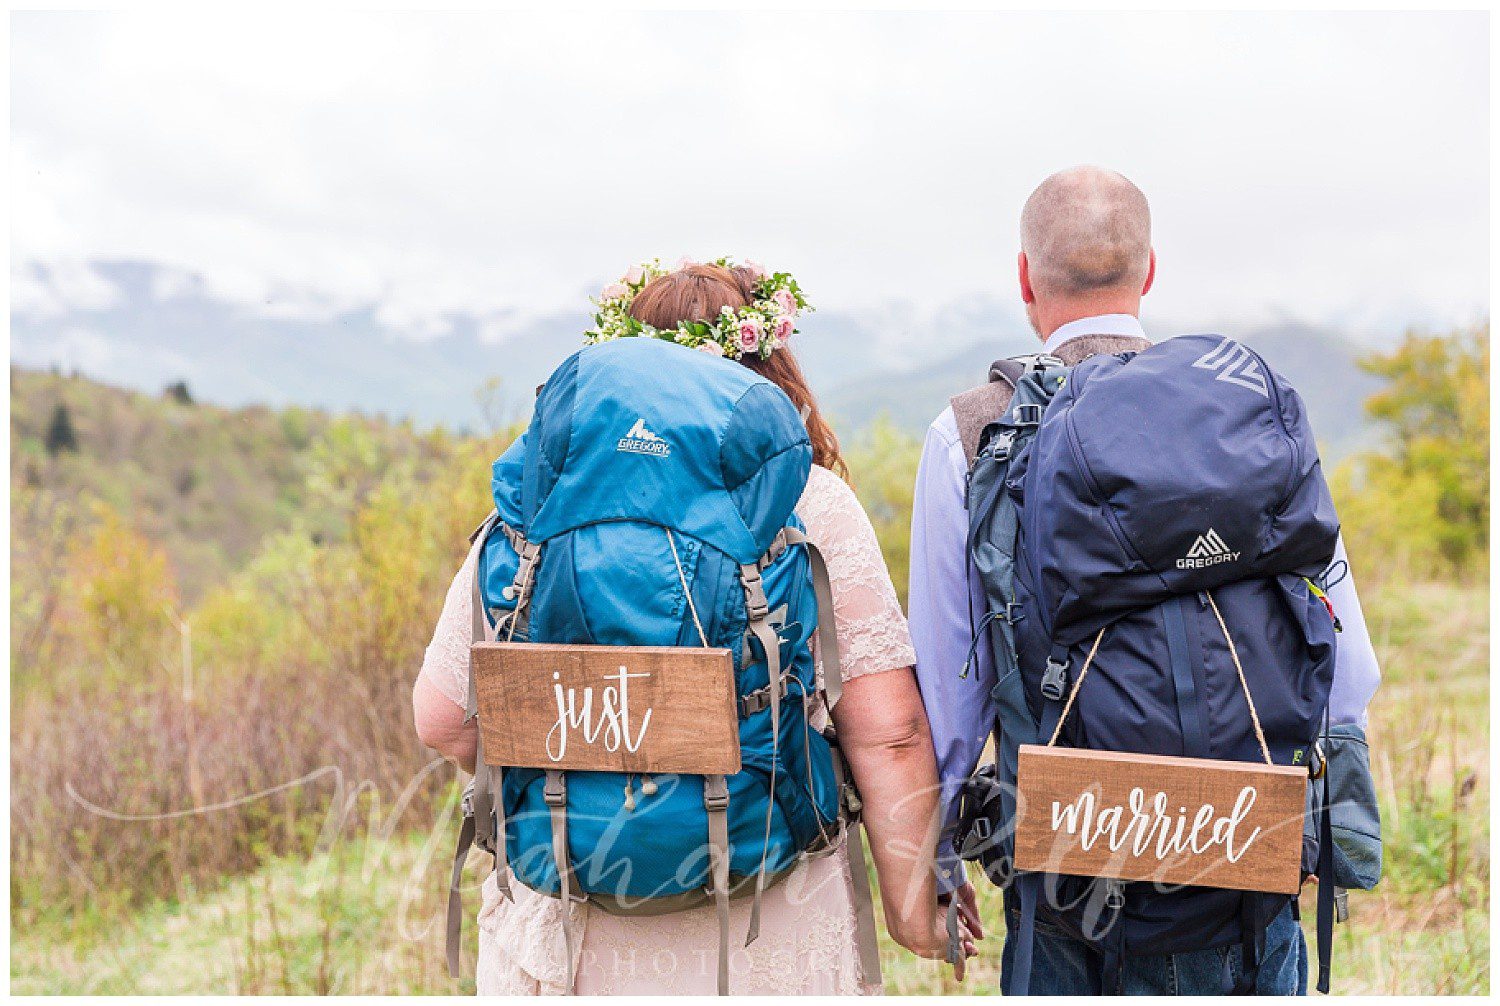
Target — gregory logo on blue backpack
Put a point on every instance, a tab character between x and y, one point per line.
699	548
642	441
1080	499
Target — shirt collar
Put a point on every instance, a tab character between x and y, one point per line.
1102	324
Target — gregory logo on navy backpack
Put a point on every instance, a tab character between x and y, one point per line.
680	533
1136	523
1208	549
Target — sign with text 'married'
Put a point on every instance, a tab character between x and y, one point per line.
1226	824
652	709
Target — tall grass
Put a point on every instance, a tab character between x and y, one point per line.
229	796
155	752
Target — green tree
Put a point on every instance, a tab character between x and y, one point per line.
178	392
1422	502
60	437
883	468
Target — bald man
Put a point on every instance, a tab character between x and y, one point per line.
1085	263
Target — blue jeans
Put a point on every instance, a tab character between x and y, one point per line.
1061	965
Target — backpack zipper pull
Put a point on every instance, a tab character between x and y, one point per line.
648	786
629	796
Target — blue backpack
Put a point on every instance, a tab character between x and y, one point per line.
1165	510
650	503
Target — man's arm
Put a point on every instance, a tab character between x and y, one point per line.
960	711
1356	672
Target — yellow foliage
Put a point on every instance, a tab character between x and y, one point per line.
120	598
1423	503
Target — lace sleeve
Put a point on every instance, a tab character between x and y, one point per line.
871	627
445	665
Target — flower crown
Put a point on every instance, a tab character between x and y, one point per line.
760	327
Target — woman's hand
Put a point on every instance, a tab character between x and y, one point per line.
930	940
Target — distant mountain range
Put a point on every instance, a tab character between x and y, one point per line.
896	363
1319	363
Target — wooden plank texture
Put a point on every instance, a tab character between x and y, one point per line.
654	709
1235	825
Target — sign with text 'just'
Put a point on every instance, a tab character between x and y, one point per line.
1235	825
652	709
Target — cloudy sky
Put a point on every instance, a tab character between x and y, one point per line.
418	170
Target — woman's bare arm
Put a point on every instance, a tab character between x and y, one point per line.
441	726
882	728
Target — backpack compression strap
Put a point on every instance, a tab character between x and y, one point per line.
481	801
758	611
833	687
484	812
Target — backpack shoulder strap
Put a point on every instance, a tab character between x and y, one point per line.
976	408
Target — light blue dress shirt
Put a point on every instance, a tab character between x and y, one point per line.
946	602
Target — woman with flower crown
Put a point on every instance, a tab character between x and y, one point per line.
807	942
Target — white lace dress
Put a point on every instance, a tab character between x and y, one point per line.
807	943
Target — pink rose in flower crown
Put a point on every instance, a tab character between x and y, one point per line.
782	329
711	348
748	334
683	263
614	291
786	302
634	275
756	269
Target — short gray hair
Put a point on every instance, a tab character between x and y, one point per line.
1084	229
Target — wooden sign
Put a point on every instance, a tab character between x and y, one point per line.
1234	825
652	709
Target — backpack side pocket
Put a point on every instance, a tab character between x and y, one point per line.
1355	810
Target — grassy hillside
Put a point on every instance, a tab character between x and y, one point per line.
205	483
365	917
217	616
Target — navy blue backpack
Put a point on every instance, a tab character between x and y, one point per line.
1167	511
651	503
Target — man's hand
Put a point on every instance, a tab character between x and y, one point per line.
968	909
969	927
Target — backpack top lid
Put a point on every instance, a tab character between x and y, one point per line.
1177	469
643	429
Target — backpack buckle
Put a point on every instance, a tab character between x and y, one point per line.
1012	613
999	447
715	801
1054	681
853	805
756	605
753	702
555	792
1114	894
1028	414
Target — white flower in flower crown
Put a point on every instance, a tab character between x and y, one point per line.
748	332
634	275
614	291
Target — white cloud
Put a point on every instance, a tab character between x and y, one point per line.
65	285
1332	165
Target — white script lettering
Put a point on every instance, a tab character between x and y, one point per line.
611	727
